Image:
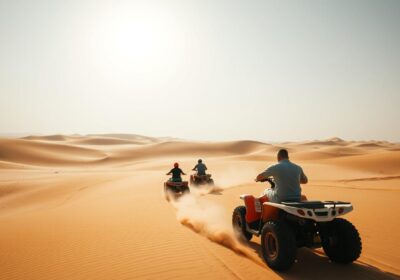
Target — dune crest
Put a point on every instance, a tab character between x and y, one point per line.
42	153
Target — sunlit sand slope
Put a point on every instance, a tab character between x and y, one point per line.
92	207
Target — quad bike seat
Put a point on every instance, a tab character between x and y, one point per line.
313	204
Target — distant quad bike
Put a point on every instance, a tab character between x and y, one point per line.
177	189
286	226
198	180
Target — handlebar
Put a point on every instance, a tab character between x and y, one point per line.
270	181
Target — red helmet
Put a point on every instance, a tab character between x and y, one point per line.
176	164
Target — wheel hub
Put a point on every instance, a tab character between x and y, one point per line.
271	245
238	221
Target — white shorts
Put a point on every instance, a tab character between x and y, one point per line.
272	197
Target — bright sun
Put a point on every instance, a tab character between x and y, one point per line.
144	36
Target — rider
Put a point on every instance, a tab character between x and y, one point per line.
287	176
176	173
200	168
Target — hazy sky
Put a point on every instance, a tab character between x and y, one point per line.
211	70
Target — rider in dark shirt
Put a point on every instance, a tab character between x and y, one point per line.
176	173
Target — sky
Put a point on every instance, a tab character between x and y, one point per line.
205	69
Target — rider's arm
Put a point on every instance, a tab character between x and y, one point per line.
267	173
260	177
303	178
183	173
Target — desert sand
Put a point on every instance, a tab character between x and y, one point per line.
92	207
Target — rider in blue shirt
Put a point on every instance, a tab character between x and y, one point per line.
287	176
200	168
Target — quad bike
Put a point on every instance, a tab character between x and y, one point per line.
177	189
197	180
286	226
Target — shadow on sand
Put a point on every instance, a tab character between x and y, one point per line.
311	264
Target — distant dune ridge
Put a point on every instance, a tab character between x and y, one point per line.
92	207
90	150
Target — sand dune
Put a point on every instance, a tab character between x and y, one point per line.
131	137
45	153
92	207
55	137
84	150
383	162
95	140
328	142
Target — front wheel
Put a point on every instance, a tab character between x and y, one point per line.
239	223
278	245
341	241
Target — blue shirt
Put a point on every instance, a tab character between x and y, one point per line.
287	177
201	169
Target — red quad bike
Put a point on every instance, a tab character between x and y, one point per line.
286	226
198	180
177	189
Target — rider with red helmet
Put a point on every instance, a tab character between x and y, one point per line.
176	173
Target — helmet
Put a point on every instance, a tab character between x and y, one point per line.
200	161
176	164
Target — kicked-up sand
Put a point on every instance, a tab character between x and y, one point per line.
92	207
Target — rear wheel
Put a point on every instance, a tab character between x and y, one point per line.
341	241
185	190
278	245
211	182
239	223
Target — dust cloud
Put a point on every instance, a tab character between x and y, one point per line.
210	220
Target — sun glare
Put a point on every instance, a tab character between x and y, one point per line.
144	38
